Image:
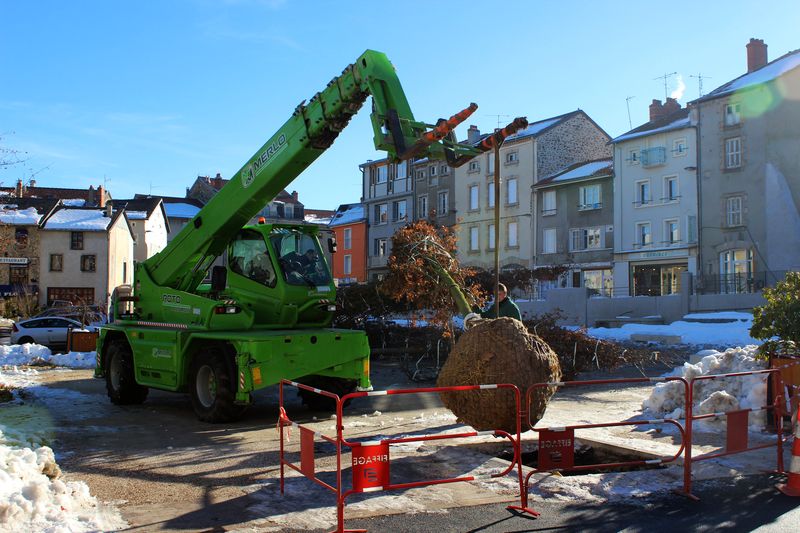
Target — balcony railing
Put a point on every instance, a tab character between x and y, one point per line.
651	157
738	283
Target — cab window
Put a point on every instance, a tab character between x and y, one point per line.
248	257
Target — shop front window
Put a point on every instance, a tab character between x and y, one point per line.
736	270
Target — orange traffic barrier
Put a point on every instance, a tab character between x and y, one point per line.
792	487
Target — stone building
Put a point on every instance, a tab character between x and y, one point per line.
20	244
541	150
284	206
94	197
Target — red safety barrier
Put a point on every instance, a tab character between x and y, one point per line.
371	459
557	444
736	440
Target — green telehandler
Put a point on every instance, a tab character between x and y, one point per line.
219	332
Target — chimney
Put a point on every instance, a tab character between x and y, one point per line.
218	181
109	209
101	196
473	134
670	106
756	54
33	183
19	189
294	196
656	110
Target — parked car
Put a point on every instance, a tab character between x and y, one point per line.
48	331
89	314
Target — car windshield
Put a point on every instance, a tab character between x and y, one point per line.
299	257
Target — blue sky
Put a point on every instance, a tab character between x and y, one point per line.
145	96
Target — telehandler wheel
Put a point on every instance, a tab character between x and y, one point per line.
213	388
120	378
318	402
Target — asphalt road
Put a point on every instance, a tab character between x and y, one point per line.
746	504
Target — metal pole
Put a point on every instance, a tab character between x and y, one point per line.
496	226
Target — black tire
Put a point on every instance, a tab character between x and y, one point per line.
213	388
120	377
26	340
318	402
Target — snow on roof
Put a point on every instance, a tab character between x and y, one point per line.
350	214
78	220
181	210
586	170
314	219
10	214
136	215
534	129
74	202
674	125
765	74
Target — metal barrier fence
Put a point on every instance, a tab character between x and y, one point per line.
556	445
737	424
371	459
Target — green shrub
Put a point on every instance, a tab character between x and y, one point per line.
778	322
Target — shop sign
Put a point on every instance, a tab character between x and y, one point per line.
662	253
14	260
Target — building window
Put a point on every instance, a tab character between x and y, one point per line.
88	263
733	152
21	236
586	239
679	147
512	157
420	174
671	189
18	275
348	238
432	170
402	170
399	210
381	214
633	157
642	193
442	203
76	240
643	234
491	237
671	232
474	236
511	188
733	211
548	203
56	263
733	114
474	166
490	193
383	174
589	197
513	240
379	247
444	169
474	190
348	264
549	241
422	206
736	270
490	162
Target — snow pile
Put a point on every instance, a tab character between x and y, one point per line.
26	354
734	333
714	395
33	497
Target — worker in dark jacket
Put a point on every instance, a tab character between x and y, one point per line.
507	307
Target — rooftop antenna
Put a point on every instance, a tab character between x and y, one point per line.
628	105
665	77
151	189
499	117
700	79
